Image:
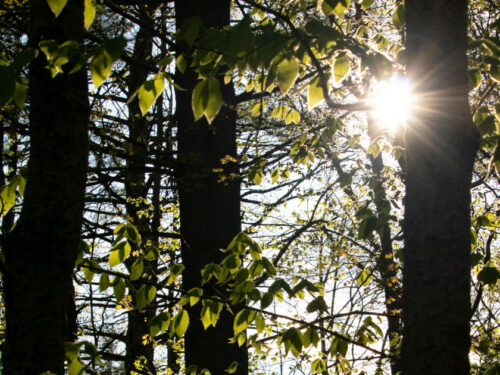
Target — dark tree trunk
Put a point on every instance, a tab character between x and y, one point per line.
135	186
41	250
441	144
209	209
387	266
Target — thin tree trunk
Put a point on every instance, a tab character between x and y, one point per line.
440	148
136	189
41	250
209	209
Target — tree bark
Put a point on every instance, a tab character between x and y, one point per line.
441	144
40	252
209	209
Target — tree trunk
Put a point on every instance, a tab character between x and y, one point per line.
441	144
136	189
41	250
209	209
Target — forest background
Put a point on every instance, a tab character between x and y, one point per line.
210	187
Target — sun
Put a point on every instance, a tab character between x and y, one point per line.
392	103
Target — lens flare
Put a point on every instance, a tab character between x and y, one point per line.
392	102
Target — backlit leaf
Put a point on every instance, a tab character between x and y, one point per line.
104	57
340	67
57	6
150	91
242	320
136	270
318	366
314	93
119	253
287	73
119	289
293	341
366	4
88	14
180	323
159	323
207	99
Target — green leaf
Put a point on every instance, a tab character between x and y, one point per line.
7	84
398	18
210	313
317	304
314	93
241	242
345	179
242	320
57	6
318	366
7	197
366	4
145	295
119	289
310	337
76	367
374	149
103	282
71	351
207	99
266	300
159	323
334	6
363	277
287	72
89	274
88	14
495	72
488	275
260	323
270	270
136	270
23	58
255	175
181	63
340	67
339	346
20	94
293	341
180	323
150	91
193	296
366	227
152	253
58	54
474	77
232	262
104	57
232	368
190	29
119	253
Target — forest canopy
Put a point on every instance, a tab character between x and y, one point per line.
250	187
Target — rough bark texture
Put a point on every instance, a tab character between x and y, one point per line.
135	186
440	148
209	210
41	250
